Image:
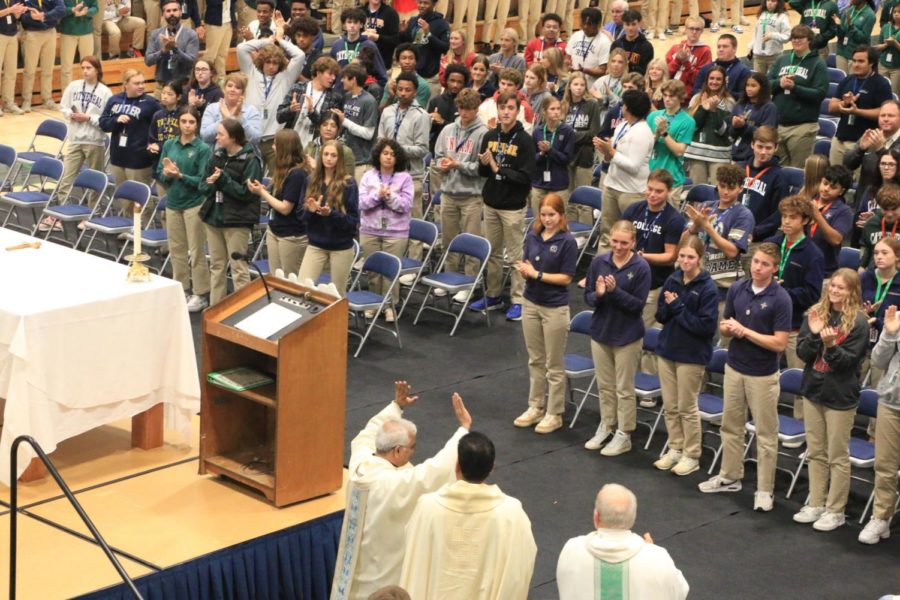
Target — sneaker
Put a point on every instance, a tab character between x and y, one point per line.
686	466
809	514
718	484
874	531
602	434
389	316
670	31
12	109
549	424
580	242
744	21
196	303
530	417
714	28
829	521
407	279
369	314
661	36
47	224
461	297
795	444
763	501
668	460
487	303
514	313
737	29
26	107
50	105
134	53
620	444
439	292
648	402
649	35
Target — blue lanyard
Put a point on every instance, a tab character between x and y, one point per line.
268	82
398	120
619	134
500	153
645	234
584	55
859	84
577	113
85	99
462	143
718	216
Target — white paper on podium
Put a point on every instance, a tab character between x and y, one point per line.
268	320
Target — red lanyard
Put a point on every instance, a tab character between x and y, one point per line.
893	230
755	177
823	210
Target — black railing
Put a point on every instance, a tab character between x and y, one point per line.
14	511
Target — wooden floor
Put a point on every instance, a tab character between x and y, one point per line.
151	506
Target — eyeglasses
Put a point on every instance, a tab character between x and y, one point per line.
888	165
201	68
694	28
798	37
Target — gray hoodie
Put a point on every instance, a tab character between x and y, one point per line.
462	144
886	357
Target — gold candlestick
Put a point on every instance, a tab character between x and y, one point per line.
136	270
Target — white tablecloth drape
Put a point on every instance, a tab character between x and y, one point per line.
81	347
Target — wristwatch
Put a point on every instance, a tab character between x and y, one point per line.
540	276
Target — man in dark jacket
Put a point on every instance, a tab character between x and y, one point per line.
431	34
508	162
443	108
736	72
383	28
173	48
635	45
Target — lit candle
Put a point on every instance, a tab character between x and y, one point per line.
137	229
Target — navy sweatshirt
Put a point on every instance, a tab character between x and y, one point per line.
804	270
54	11
10	27
431	46
293	190
617	319
639	52
736	74
508	189
762	195
690	321
386	23
742	137
337	230
556	160
128	142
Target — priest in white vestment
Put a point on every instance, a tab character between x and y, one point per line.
613	562
382	493
469	540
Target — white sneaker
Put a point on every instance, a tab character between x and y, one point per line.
26	107
602	434
686	466
461	297
795	444
875	531
829	521
439	292
196	303
661	36
407	279
50	105
549	424
718	484
649	35
13	109
809	514
668	460
620	444
530	417
763	501
648	402
369	314
389	316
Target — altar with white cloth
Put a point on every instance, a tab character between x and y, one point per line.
81	347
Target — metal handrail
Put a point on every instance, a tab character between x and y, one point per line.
14	511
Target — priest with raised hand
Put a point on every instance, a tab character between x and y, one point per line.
382	493
469	540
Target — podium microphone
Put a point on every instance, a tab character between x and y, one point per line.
245	258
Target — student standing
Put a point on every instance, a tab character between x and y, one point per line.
588	49
182	168
635	45
9	53
582	114
555	141
772	32
548	266
757	317
507	57
76	32
233	105
616	288
202	90
754	109
688	311
832	219
673	129
39	45
710	147
305	104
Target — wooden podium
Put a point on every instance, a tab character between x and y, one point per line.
285	439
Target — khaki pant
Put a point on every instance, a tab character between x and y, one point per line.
838	149
187	236
795	143
579	176
762	64
245	14
9	52
496	13
38	47
529	13
718	11
218	38
145	175
134	25
370	244
546	329
887	461
794	362
677	8
615	368
267	151
648	359
538	194
828	453
760	395
656	15
285	252
614	204
340	261
223	241
701	171
74	157
465	14
460	214
681	383
893	75
153	14
504	228
67	46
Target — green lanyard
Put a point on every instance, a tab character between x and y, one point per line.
765	19
855	15
886	32
879	293
551	140
786	255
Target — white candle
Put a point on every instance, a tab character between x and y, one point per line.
137	230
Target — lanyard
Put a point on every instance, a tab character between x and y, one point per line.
644	235
715	218
389	181
823	210
879	292
551	140
859	84
85	99
268	82
398	120
584	53
577	108
462	143
889	31
749	185
500	153
351	54
786	254
855	15
619	134
893	230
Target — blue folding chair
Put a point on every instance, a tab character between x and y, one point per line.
359	301
862	451
831	60
711	406
579	366
822	147
823	110
49	131
647	387
832	89
451	282
827	129
325	277
113	223
434	201
592	198
836	75
89	186
425	232
39	190
700	193
849	258
154	236
794	178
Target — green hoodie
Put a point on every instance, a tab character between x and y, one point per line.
72	25
192	160
820	17
855	29
800	104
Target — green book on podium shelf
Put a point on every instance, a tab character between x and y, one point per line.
240	379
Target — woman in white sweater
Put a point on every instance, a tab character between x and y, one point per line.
272	65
